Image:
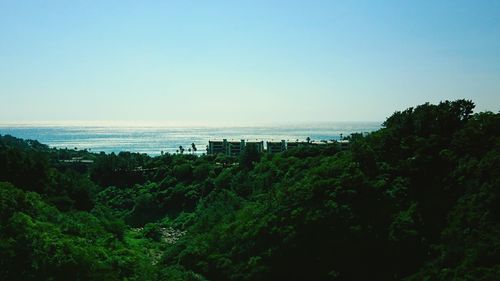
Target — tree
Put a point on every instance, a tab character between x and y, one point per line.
249	156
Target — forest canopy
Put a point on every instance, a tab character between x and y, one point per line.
418	199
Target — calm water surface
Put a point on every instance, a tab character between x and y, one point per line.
154	139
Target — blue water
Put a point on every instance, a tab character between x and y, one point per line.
153	140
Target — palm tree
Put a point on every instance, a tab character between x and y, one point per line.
194	147
181	149
308	139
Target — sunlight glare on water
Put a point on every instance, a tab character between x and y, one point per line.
154	139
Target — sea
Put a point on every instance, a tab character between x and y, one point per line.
155	139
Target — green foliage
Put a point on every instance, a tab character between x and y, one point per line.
387	205
37	242
416	200
249	156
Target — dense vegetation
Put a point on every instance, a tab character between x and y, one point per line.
417	200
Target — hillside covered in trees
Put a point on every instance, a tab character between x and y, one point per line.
418	199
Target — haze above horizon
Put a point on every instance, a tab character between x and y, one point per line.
243	62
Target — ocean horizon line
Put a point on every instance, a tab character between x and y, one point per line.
172	124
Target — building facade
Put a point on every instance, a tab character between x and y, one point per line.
216	147
235	148
259	145
276	146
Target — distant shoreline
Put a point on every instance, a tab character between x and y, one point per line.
154	140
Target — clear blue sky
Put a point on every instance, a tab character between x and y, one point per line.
243	61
